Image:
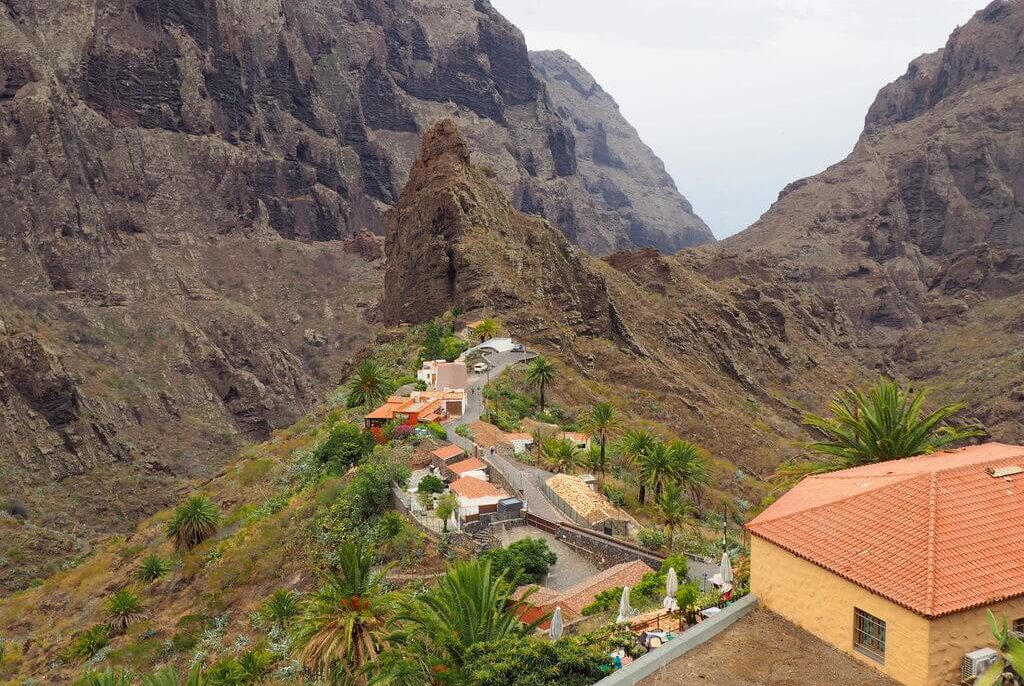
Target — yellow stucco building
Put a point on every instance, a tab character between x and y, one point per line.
897	563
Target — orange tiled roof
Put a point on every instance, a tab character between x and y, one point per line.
388	409
473	488
448	451
936	534
583	594
470	465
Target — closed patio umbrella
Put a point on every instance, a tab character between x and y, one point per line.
725	573
555	630
671	588
625	611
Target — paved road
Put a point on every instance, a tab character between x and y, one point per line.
521	476
570	569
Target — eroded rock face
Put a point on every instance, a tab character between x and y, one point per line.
918	235
628	179
454	240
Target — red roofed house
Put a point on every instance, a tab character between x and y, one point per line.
420	406
448	454
476	497
896	563
572	601
471	467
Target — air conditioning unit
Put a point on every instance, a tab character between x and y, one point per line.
976	662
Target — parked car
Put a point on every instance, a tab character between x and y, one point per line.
480	367
518	348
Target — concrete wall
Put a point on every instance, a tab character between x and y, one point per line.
823	604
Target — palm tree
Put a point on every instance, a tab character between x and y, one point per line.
673	510
281	607
447	505
342	627
688	468
470	605
369	386
655	468
540	373
193	522
168	676
488	328
601	421
886	423
1009	666
123	609
635	444
559	455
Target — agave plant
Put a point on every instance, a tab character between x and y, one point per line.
168	676
153	567
1009	666
90	642
193	522
280	608
123	609
109	678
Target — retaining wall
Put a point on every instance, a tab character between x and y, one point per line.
650	663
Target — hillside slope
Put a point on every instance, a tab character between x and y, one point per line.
190	190
918	235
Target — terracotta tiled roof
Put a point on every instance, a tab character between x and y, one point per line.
936	534
470	465
583	594
518	436
473	488
447	452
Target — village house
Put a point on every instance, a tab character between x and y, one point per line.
580	441
476	497
443	375
470	467
446	455
487	436
897	563
572	601
420	407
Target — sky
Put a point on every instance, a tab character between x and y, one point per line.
740	97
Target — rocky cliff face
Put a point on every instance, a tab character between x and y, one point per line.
615	164
193	194
919	234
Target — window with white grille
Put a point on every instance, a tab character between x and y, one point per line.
868	635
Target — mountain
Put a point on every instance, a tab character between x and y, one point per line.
918	235
193	193
615	163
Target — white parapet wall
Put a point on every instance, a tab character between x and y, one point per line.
648	664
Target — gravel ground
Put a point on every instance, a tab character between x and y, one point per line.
762	649
571	568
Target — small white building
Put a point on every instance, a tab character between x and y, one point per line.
442	375
476	496
472	467
520	442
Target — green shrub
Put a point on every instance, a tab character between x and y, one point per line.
90	642
346	444
280	608
652	538
193	522
526	561
464	431
437	431
421	385
431	484
533	661
152	568
603	601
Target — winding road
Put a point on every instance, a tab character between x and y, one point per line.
521	476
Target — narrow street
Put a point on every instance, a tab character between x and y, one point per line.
523	477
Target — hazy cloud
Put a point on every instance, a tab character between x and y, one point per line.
740	98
